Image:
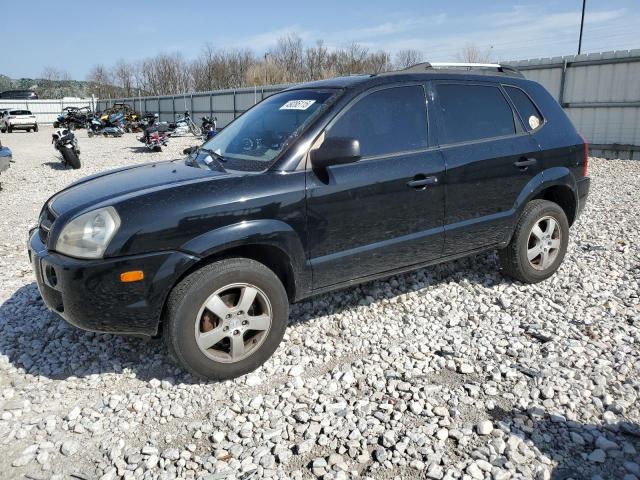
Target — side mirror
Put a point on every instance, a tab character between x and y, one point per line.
335	151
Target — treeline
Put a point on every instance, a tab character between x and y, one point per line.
288	62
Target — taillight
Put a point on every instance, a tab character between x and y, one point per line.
585	166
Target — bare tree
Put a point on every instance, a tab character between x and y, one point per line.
100	82
215	69
378	62
407	58
164	74
316	59
51	83
473	54
53	74
289	57
124	77
212	69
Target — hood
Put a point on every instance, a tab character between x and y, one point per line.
102	188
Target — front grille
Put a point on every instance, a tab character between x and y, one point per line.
47	217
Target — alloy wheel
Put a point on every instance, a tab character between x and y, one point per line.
233	322
544	243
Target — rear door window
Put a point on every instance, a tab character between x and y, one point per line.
473	112
529	113
386	121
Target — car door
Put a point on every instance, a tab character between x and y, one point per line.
490	158
386	210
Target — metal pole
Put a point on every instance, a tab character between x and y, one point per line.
563	77
234	104
584	2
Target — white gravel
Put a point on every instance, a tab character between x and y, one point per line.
448	372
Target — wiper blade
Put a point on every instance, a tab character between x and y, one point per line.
216	158
215	155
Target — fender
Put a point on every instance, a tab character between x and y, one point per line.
272	233
555	176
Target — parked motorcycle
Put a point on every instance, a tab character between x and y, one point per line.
209	127
127	117
184	125
6	159
106	125
155	134
73	117
66	143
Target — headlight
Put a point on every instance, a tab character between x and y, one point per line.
88	235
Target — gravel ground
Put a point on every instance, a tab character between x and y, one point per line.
447	372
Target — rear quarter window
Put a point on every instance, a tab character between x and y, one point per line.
529	113
473	112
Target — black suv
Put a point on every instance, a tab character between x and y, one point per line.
318	187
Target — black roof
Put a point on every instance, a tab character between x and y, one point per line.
422	71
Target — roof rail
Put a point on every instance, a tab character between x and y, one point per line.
507	69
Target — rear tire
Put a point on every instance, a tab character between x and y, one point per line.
9	129
539	243
35	129
239	349
71	158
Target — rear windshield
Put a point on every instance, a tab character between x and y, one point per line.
19	112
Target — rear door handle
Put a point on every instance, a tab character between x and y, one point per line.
420	182
524	163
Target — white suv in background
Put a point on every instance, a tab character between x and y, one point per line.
11	120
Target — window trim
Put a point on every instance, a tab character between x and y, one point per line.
524	125
315	143
519	129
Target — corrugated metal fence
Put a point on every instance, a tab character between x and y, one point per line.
224	104
600	91
46	111
601	94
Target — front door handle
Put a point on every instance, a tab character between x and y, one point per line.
525	163
420	182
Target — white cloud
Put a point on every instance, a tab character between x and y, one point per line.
523	31
263	41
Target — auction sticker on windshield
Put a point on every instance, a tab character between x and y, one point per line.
297	104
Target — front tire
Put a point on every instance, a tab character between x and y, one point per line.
195	130
71	158
539	243
226	319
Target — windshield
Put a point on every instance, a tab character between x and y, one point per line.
19	112
253	141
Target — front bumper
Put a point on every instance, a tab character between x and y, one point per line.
89	294
583	192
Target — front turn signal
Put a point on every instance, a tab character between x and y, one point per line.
132	276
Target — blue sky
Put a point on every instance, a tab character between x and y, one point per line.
74	36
